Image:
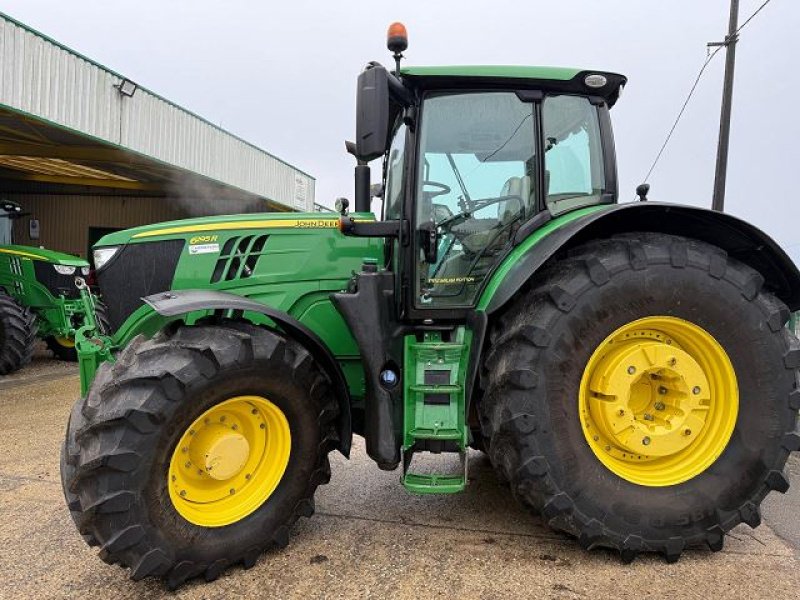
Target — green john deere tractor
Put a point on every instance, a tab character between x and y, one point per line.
40	297
626	367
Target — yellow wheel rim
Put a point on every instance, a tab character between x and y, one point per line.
658	401
65	341
229	461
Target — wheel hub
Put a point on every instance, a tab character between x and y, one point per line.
649	398
220	451
658	401
229	461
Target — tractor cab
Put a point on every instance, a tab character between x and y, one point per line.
474	158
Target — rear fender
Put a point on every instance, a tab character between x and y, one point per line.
741	240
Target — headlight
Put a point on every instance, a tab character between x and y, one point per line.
64	269
85	271
103	255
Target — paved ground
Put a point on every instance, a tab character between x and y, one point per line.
369	538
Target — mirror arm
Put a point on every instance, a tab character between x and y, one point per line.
362	228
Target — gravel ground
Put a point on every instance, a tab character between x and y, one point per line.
369	537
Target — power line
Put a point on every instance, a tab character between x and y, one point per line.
708	60
680	114
751	17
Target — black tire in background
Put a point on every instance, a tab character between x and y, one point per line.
532	373
121	436
17	334
68	352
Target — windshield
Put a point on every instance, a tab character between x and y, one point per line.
476	184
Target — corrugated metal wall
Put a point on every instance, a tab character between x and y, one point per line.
43	78
64	221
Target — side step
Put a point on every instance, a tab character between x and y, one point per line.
434	416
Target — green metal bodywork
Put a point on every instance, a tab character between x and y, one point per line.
57	315
304	260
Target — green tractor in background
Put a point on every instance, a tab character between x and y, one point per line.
626	367
39	298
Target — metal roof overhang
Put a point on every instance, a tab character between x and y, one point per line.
39	157
70	125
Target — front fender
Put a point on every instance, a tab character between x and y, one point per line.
169	306
739	239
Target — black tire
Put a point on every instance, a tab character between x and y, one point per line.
17	334
541	345
69	353
122	434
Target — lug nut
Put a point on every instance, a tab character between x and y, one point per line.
254	411
648	417
660	406
595	438
621	412
263	426
646	441
234	427
662	390
631	370
608	448
672	361
188	464
233	491
183	493
687	432
184	450
191	432
222	419
696	390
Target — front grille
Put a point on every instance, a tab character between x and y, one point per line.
55	282
238	258
136	271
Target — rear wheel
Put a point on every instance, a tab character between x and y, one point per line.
198	450
642	395
17	334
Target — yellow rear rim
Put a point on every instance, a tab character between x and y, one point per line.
658	401
65	341
229	461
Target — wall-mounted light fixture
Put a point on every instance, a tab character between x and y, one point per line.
126	88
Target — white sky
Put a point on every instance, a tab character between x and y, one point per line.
282	75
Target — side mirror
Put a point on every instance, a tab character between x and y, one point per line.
641	191
372	112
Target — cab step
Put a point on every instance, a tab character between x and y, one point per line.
434	416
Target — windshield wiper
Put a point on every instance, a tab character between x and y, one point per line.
460	180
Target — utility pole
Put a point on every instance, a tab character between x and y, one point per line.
718	202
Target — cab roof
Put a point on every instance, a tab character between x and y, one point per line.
563	80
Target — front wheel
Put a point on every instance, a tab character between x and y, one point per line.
642	395
17	334
198	449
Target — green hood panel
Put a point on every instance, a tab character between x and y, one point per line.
222	223
51	256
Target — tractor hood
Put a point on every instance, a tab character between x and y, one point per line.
276	258
220	223
50	256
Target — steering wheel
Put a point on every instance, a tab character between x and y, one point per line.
441	187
